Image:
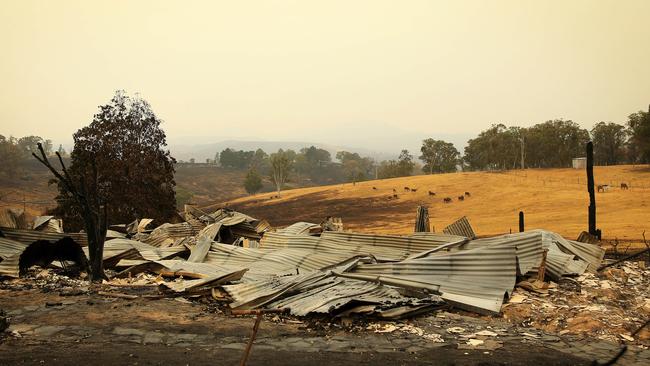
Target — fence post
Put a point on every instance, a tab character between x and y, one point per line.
521	221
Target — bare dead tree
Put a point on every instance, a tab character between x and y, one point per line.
93	210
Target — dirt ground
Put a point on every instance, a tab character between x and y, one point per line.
55	330
552	199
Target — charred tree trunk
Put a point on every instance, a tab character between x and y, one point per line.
590	189
87	199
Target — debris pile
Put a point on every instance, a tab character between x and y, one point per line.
609	305
536	278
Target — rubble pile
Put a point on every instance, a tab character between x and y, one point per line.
535	278
609	305
55	280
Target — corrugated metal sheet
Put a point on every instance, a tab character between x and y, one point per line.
9	248
264	263
118	249
200	250
30	236
422	220
10	266
583	256
476	279
330	294
111	234
261	226
209	232
254	294
166	235
300	228
48	224
10	218
460	227
12	252
196	286
40	220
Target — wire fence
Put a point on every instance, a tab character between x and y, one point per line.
611	182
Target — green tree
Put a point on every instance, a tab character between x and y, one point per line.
253	182
230	158
28	145
388	169
123	151
553	144
609	143
10	155
439	156
405	164
639	130
281	165
260	160
309	161
498	147
356	168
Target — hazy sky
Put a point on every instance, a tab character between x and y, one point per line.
374	74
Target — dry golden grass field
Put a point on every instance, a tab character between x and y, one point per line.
552	199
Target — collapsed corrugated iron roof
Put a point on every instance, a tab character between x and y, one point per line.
309	270
17	256
472	274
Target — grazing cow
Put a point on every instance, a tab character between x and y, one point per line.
447	199
603	188
407	189
375	188
432	193
467	194
461	198
414	189
395	196
624	186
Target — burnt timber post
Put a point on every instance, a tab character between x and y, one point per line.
422	220
521	221
590	189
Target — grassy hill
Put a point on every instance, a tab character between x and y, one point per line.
553	199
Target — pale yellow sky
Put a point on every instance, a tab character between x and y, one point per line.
363	73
